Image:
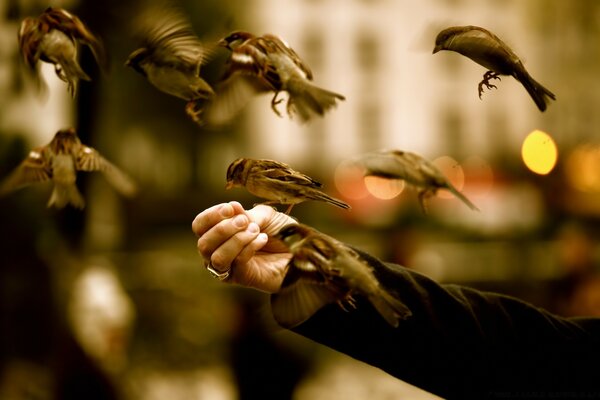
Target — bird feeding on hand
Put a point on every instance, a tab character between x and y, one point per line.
277	182
323	270
486	49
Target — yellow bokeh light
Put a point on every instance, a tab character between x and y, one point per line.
539	152
383	188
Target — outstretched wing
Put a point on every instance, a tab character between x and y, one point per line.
88	159
32	170
169	35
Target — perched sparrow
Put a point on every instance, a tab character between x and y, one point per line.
486	49
262	64
412	168
276	182
170	58
53	37
59	162
323	270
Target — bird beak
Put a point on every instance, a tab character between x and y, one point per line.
436	49
224	43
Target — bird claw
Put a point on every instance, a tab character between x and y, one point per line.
349	301
486	81
274	103
194	109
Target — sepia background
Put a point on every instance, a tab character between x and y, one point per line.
112	302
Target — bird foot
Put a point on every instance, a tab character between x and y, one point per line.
194	109
274	103
486	81
349	300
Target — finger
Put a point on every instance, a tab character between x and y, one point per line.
269	219
212	216
220	233
248	252
224	256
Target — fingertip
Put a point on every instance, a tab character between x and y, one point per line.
226	210
236	206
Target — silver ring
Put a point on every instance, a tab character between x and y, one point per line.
216	274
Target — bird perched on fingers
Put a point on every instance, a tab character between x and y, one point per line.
413	169
59	161
171	56
277	182
323	270
267	64
54	37
486	49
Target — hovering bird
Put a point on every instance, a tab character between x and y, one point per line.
486	49
170	58
412	168
277	182
59	161
323	270
54	37
266	63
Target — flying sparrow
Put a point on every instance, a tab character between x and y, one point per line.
412	168
486	49
59	161
323	270
53	37
277	182
171	56
267	64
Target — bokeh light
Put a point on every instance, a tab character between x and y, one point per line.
451	170
539	152
349	181
583	168
384	188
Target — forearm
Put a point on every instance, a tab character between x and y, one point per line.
459	337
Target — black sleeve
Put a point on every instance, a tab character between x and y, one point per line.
461	343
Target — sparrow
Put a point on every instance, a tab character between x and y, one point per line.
59	161
266	63
54	37
413	169
170	58
486	49
277	182
323	270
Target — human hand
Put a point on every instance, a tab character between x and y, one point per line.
239	240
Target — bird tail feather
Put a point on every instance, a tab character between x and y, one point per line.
390	308
307	99
66	194
540	95
463	198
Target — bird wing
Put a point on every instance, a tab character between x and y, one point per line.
169	35
71	25
31	170
281	46
88	159
282	172
303	292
